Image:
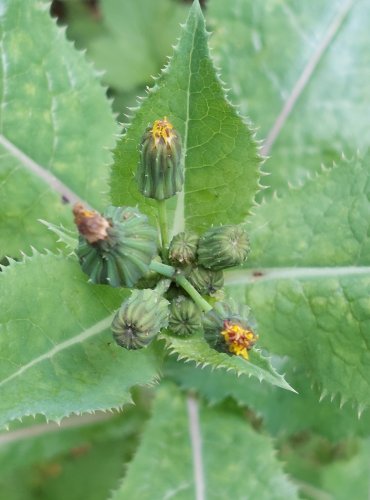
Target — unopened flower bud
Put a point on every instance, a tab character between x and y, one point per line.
116	248
183	248
223	247
160	173
185	317
140	318
227	329
206	281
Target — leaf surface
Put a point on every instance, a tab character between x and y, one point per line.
196	349
191	451
298	69
128	40
283	413
219	149
55	127
57	352
326	222
321	322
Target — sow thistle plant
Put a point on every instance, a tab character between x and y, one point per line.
236	318
118	249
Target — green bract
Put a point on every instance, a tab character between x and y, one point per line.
121	256
183	248
140	318
207	282
222	247
185	317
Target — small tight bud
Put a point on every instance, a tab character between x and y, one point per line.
227	329
140	318
160	174
116	248
183	248
223	247
185	317
207	282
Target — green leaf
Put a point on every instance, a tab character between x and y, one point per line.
55	127
299	70
219	149
320	320
191	451
84	455
57	352
283	413
128	40
323	223
195	348
317	315
349	478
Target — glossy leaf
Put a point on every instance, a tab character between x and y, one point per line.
298	69
195	348
129	41
324	223
58	355
321	322
219	150
55	127
180	452
283	413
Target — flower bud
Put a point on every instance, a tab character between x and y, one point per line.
207	282
185	317
116	248
140	318
227	329
160	173
183	248
222	247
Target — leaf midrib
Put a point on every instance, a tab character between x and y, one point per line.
45	175
252	276
93	330
196	447
179	218
305	77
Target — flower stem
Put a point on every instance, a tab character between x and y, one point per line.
163	226
171	272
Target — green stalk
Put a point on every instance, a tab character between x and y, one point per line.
163	225
170	272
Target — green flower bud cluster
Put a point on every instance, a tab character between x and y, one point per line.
120	248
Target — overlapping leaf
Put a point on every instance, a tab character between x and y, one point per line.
180	455
55	127
283	413
219	150
57	352
299	70
128	40
319	316
324	223
196	349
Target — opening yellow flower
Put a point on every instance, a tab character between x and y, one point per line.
162	130
240	340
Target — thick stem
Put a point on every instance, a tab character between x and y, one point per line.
163	225
170	272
